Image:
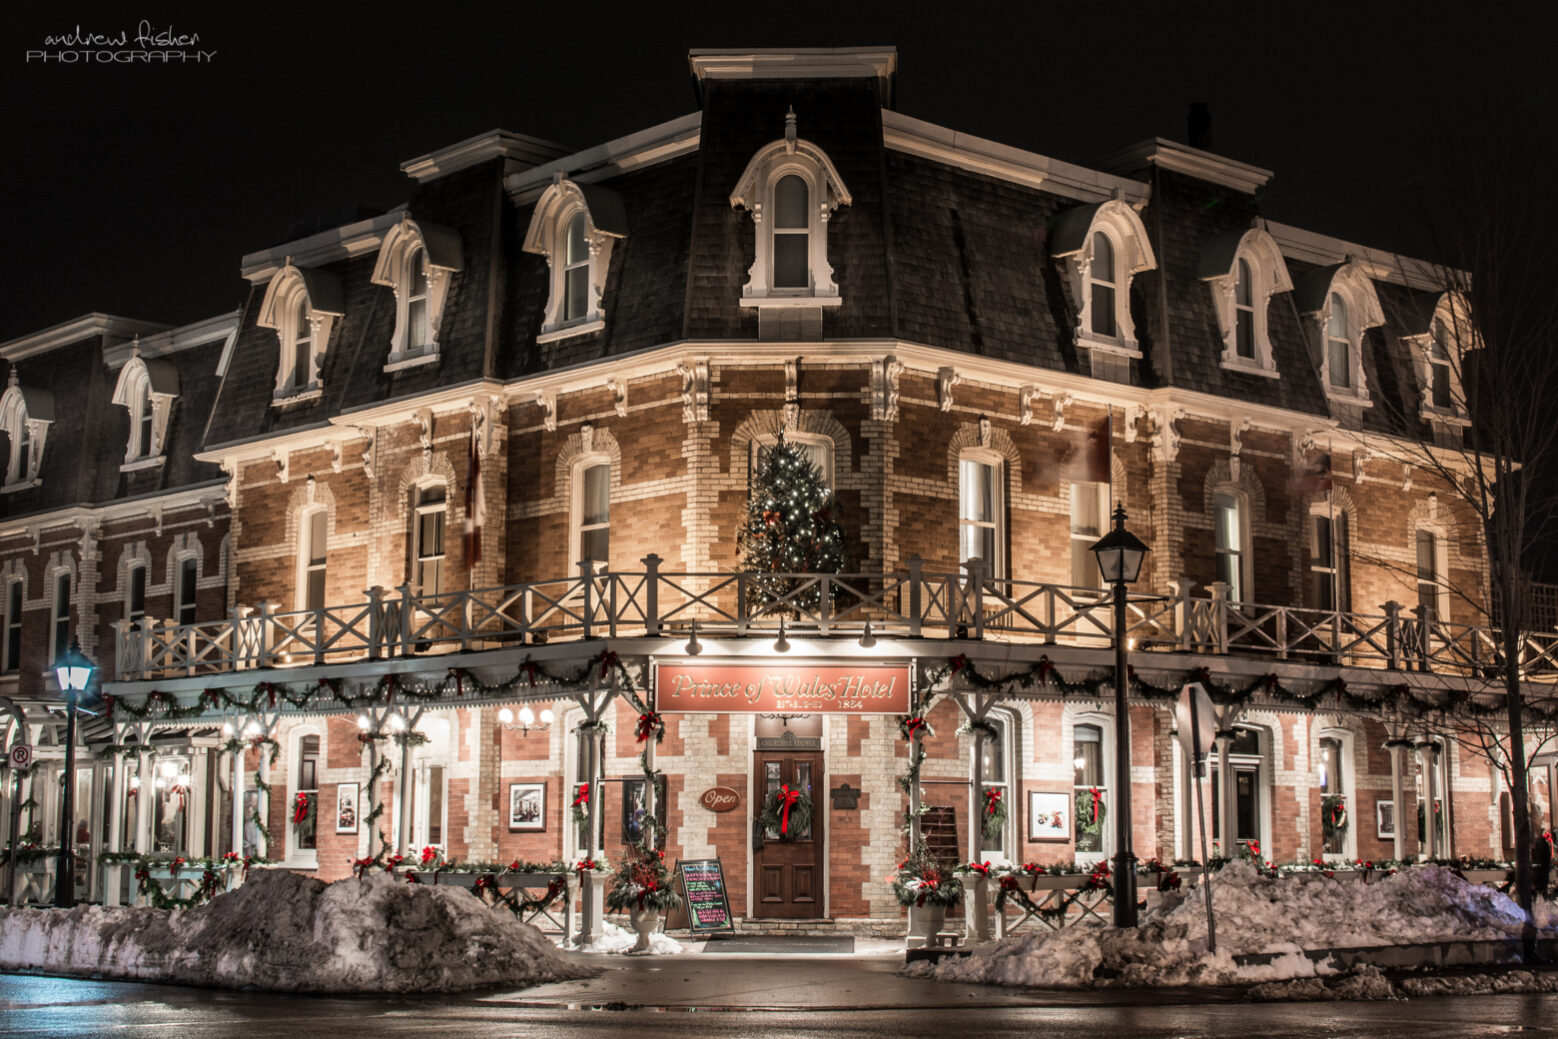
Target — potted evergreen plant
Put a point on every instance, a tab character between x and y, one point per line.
928	888
642	887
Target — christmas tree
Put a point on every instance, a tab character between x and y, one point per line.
790	528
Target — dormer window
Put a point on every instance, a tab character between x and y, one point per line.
417	261
1245	270
1343	306
575	226
301	304
1101	248
147	389
792	189
1437	349
25	417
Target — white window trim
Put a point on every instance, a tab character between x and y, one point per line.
442	254
1263	773
995	569
1349	790
417	510
1132	255
1102	490
137	390
1011	734
55	649
1241	499
754	192
556	207
307	858
438	751
322	292
822	440
1268	276
1453	311
576	506
305	547
22	473
1363	313
1441	568
1104	723
8	666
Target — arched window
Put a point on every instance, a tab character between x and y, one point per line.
1090	784
592	511
430	512
417	261
1244	313
308	761
1343	305
1433	586
147	388
996	771
1245	269
313	550
1105	278
1338	344
575	226
1230	523
1102	248
576	270
430	785
982	511
302	329
301	304
1334	777
791	230
25	417
418	333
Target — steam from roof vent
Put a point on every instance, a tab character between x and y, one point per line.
1200	125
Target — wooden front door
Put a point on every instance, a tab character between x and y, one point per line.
788	880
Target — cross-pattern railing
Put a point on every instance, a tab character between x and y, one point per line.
913	603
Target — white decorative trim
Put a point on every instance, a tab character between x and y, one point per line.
22	472
1268	276
695	389
1027	396
137	390
618	388
1363	313
1127	236
547	402
1453	312
570	331
279	311
947	379
414	361
557	207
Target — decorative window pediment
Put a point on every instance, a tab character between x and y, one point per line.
1102	247
574	226
147	388
1245	270
791	188
417	261
301	304
25	416
1439	334
1341	302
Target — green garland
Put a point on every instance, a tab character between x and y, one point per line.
800	814
1090	812
1333	817
28	853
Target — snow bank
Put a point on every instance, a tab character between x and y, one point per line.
290	933
614	939
1255	914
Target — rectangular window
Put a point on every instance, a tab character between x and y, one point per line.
314	550
1089	514
992	766
1439	368
431	511
1330	563
1230	545
308	785
59	636
1244	333
791	234
1429	579
13	626
979	514
135	603
188	570
595	513
1088	761
143	427
1246	805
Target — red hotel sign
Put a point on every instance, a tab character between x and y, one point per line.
782	688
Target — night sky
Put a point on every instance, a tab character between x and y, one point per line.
135	189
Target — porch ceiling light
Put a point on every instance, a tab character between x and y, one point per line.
547	717
362	722
252	730
505	716
781	644
397	723
694	647
867	640
527	717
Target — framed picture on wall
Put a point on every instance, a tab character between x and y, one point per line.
346	807
527	806
1049	816
1385	819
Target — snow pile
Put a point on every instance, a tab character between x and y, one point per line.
290	933
1255	914
614	939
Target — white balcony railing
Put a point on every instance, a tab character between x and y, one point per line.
913	604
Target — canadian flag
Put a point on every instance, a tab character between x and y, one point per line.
475	502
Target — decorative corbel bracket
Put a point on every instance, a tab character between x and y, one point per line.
884	388
984	431
792	393
370	435
619	395
1236	431
946	380
695	389
485	411
546	400
1165	429
1131	413
1060	404
283	461
424	420
1026	398
335	456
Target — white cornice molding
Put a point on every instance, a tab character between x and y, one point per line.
185	337
635	151
978	155
517	150
109	326
202	496
793	63
1181	158
338	243
1323	250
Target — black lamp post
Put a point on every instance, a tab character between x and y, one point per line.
74	672
1120	554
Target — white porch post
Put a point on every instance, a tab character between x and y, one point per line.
1428	846
112	874
143	799
1398	767
198	808
1227	841
237	792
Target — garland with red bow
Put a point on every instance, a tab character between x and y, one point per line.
304	812
580	806
650	724
993	818
788	812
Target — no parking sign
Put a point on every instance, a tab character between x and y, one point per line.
21	756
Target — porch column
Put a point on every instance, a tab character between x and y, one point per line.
1227	843
144	796
237	792
405	795
1428	846
592	772
1398	767
976	894
262	802
112	874
199	807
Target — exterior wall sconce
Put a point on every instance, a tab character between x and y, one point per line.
526	720
781	644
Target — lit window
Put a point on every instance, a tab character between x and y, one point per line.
189	570
995	768
1229	522
1089	513
432	508
135	597
306	836
1338	344
1090	784
1102	248
592	513
1330	562
1244	759
817	448
13	625
311	559
59	629
1331	785
1104	278
980	514
575	226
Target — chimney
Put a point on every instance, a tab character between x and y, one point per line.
1200	125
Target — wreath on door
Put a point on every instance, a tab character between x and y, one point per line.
787	810
1090	812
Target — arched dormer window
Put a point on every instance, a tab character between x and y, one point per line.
417	261
791	188
301	304
25	417
1101	248
1244	271
147	388
1438	345
574	226
1343	306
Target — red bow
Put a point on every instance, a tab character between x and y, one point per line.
982	868
787	797
959	662
992	798
300	809
1045	667
529	668
607	660
1097	797
647	724
584	866
459	680
913	725
582	796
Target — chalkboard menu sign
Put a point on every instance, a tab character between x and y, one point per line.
708	907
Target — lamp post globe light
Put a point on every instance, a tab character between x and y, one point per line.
1120	555
74	673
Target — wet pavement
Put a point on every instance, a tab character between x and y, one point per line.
693	996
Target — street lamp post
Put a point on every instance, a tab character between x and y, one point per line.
1120	554
74	672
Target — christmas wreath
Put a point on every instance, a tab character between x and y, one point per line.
304	812
993	817
1333	817
788	811
1090	811
581	804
